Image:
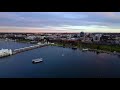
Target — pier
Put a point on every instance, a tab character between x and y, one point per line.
28	48
9	52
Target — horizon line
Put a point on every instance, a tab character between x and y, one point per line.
59	32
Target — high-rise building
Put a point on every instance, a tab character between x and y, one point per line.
82	34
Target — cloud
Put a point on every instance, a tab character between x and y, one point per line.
61	20
110	15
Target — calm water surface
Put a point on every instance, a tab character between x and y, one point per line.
74	63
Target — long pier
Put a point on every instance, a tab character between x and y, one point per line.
27	48
9	52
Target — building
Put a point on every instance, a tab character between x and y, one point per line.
87	38
117	41
97	37
82	34
31	37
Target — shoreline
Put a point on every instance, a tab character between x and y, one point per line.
64	45
89	49
103	51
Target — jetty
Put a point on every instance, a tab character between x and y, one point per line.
27	48
12	52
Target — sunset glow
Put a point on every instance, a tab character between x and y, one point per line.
60	22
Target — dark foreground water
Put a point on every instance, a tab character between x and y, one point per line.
74	63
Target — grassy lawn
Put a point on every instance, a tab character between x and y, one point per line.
110	48
102	47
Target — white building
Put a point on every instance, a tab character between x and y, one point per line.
41	37
5	52
31	37
97	37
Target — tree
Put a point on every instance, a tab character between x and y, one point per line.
98	47
92	40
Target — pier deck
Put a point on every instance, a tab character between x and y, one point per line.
27	48
5	53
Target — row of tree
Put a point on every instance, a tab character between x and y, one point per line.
86	45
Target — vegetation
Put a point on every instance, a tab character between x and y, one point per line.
102	47
23	40
79	44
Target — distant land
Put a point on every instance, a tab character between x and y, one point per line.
60	32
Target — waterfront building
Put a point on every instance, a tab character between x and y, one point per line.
31	37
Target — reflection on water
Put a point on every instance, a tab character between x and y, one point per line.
6	60
118	56
97	52
103	56
3	60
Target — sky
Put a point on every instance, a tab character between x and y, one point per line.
60	22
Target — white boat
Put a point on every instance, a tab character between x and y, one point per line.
38	60
85	49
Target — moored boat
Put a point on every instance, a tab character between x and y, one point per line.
74	48
85	49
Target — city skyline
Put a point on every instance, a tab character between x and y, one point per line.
60	22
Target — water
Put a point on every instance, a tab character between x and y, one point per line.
58	63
